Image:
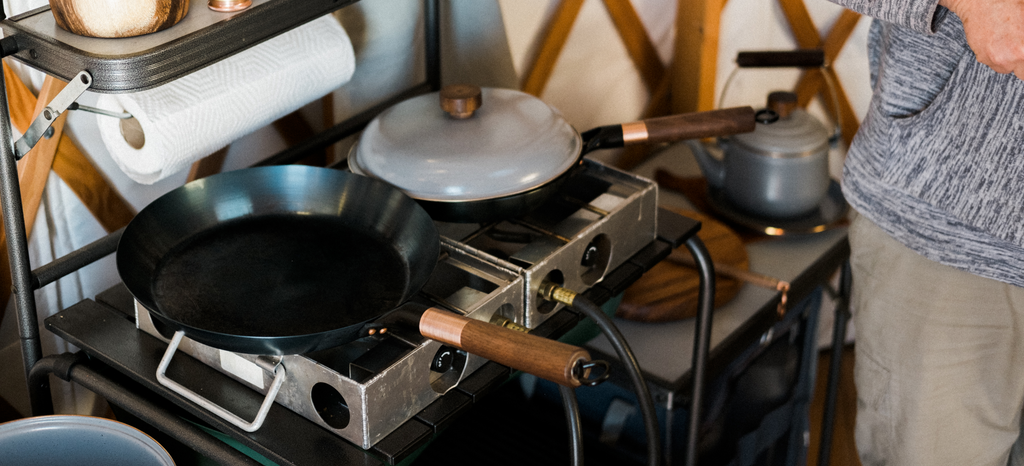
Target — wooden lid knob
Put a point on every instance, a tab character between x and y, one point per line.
782	103
461	100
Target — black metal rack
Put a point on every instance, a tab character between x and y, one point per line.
129	65
202	39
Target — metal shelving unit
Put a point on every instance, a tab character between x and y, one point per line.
125	65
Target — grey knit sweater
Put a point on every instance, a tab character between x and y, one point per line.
939	159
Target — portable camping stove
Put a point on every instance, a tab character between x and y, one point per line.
364	390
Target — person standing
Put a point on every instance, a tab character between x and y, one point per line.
936	176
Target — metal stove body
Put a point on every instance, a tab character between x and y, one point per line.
366	389
598	220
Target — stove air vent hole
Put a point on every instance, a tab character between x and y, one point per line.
446	368
594	262
330	405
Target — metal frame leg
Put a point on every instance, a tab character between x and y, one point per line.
21	268
836	360
701	341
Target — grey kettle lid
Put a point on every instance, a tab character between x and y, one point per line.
795	134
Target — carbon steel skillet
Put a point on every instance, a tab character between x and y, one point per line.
277	260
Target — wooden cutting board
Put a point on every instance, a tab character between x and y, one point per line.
669	290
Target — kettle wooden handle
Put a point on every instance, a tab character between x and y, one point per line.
548	359
696	125
804	58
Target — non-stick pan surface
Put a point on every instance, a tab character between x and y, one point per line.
277	260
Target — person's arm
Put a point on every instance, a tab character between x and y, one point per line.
995	31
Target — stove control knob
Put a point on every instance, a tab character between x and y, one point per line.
590	255
443	360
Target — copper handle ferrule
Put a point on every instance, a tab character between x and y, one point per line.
634	132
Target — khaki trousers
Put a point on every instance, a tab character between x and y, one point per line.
939	358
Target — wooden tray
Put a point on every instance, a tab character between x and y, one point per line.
669	291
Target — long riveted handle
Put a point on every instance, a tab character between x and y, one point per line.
547	359
697	125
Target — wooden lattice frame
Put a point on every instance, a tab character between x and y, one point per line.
627	22
696	55
689	85
813	82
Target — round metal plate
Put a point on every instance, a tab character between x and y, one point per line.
826	216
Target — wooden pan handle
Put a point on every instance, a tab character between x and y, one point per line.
696	125
547	359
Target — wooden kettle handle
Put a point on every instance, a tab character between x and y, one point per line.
548	359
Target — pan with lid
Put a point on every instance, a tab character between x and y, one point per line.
475	155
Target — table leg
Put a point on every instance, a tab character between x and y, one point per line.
838	339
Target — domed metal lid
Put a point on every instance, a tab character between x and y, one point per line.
512	143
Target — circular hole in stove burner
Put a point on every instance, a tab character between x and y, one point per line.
330	405
594	262
446	368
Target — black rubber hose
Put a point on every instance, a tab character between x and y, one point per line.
572	416
643	394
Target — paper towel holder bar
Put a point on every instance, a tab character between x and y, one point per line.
100	111
131	129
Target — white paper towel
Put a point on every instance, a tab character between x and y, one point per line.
200	113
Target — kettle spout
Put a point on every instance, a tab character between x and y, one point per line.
713	169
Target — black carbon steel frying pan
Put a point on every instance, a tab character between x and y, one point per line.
277	260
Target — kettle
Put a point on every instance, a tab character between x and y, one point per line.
778	171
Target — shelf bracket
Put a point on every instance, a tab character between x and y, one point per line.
60	103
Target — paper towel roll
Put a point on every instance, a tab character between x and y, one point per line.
200	113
